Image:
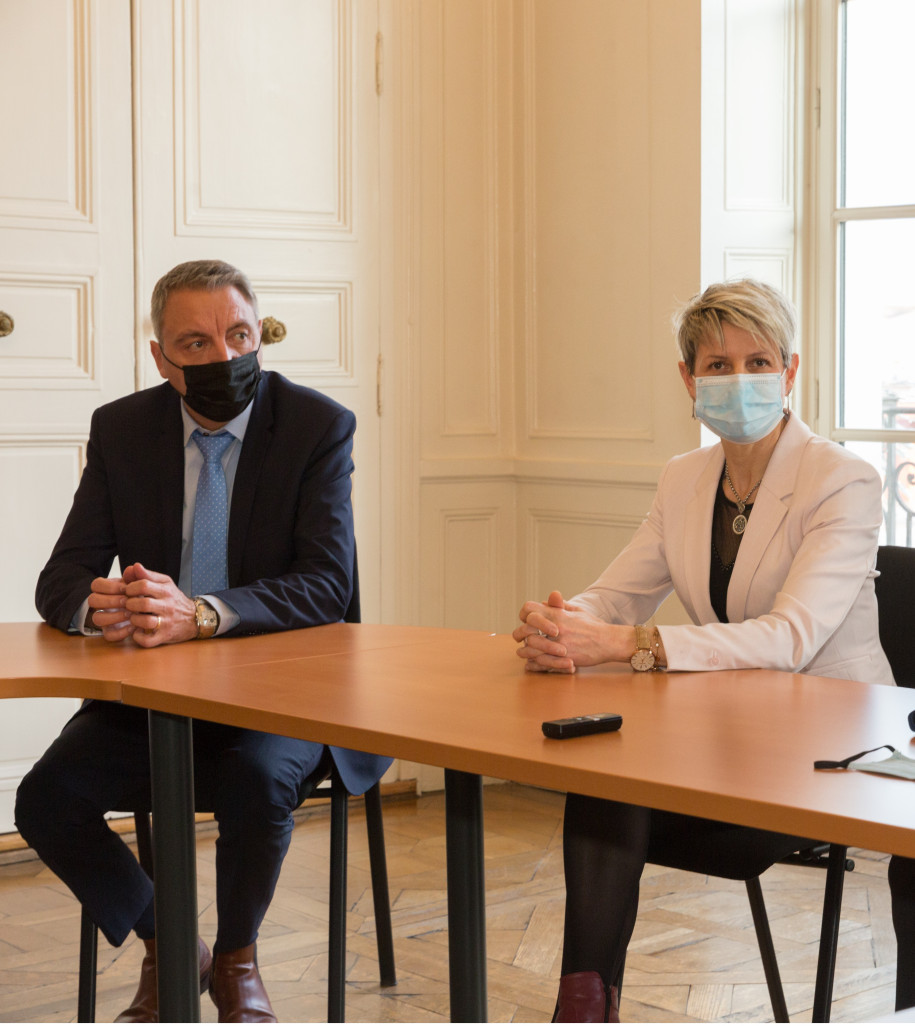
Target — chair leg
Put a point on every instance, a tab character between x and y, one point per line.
88	966
767	950
336	973
829	933
381	897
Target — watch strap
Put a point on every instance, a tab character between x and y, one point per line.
642	636
643	658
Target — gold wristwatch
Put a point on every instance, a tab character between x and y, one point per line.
207	619
643	658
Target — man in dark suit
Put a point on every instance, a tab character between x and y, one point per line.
225	496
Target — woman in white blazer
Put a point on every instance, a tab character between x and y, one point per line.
769	539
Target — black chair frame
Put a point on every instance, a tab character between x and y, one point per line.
833	858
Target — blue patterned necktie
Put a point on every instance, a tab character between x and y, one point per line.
211	517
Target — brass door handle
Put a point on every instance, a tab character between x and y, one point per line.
272	331
6	324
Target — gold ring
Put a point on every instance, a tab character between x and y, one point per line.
152	630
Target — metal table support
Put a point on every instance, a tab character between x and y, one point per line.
466	896
171	751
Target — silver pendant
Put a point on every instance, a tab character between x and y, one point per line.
740	524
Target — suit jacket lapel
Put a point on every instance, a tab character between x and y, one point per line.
769	511
250	463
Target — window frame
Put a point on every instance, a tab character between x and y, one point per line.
821	254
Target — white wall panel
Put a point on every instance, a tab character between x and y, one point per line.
46	141
587	198
544	276
470	367
465	227
769	265
39	478
567	549
318	316
51	346
468	554
264	140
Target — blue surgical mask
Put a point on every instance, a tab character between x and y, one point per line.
740	408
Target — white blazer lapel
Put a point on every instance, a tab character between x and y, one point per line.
697	540
769	511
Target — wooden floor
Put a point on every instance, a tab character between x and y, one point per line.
693	956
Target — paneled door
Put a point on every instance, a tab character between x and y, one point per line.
66	292
258	143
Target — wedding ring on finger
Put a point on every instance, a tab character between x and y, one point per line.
152	630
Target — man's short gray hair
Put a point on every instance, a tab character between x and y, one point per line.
749	304
205	275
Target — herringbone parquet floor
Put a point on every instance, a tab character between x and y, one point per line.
693	956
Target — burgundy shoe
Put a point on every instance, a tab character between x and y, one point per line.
584	998
236	988
145	1004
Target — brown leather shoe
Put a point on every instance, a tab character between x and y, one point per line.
145	1004
584	998
236	988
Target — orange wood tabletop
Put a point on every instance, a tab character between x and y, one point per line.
38	661
733	745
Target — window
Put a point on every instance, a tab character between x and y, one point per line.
862	260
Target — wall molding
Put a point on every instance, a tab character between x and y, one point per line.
452	427
76	211
321	373
520	471
43	371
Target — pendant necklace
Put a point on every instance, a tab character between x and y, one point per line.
739	524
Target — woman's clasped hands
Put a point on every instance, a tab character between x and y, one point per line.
557	637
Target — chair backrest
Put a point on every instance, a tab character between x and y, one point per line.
896	604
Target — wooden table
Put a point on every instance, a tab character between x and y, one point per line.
731	745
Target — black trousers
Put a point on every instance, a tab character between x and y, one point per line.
251	781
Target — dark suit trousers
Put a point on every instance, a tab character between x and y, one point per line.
250	780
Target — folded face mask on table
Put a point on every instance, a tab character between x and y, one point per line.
897	765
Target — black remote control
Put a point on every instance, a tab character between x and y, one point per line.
577	726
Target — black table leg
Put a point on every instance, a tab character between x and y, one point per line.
172	771
466	896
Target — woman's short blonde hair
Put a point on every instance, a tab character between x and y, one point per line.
746	303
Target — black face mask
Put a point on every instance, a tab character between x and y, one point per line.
220	391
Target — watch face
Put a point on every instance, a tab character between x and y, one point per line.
642	660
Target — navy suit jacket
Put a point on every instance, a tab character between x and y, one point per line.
291	549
